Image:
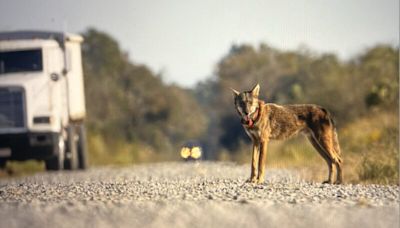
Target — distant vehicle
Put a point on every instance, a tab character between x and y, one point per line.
191	151
42	103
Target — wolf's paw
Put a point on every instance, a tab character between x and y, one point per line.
260	181
338	182
327	182
251	180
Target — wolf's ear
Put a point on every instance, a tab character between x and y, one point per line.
256	90
235	92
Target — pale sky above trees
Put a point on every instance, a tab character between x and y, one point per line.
184	39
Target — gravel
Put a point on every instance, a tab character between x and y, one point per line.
206	194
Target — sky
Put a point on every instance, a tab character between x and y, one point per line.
184	39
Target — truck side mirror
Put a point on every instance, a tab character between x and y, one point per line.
64	72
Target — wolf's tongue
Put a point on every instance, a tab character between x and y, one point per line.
250	122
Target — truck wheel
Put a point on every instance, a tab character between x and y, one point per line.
57	161
82	149
3	163
71	158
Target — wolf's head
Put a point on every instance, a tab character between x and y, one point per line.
246	104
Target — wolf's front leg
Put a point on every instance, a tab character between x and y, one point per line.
261	161
254	163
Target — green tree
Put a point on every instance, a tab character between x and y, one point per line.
130	104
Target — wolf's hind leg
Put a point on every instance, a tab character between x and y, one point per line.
339	160
323	154
339	175
330	145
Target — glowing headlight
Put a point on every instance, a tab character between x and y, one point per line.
196	152
185	152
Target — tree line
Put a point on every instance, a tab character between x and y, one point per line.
364	85
129	103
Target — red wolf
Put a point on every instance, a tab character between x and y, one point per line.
263	122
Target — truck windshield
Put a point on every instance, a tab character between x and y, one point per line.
20	61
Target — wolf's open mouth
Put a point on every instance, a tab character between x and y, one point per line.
247	121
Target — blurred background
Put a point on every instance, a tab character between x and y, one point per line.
157	75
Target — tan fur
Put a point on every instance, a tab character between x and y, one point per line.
263	122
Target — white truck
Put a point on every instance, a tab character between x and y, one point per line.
42	103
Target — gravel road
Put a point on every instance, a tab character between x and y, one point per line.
206	194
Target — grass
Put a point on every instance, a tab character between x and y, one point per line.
372	147
15	168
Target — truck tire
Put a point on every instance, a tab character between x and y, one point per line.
71	156
57	161
82	149
3	163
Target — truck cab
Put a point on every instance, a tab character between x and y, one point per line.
42	103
